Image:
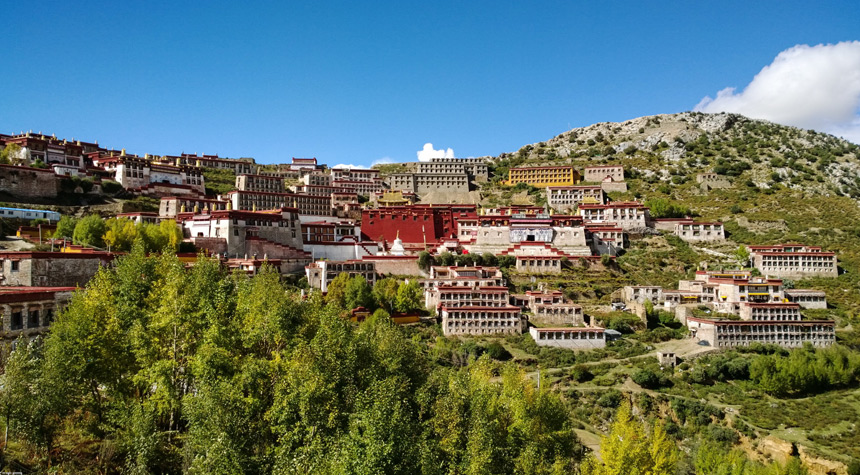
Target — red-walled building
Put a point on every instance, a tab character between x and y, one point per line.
417	225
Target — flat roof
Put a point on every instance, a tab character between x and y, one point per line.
509	308
543	168
760	322
103	255
805	291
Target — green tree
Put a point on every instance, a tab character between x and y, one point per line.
358	293
336	290
385	293
446	259
425	261
33	407
171	233
742	255
89	231
663	208
489	259
506	262
410	298
65	227
120	234
267	310
482	427
11	154
629	450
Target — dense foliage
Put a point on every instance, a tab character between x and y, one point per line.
629	449
154	368
119	234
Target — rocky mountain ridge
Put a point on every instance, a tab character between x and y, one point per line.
687	143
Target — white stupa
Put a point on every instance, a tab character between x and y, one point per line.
397	247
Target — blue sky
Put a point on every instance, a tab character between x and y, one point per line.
355	82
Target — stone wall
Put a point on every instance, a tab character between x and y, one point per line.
560	315
395	265
294	260
29	182
608	186
213	245
50	269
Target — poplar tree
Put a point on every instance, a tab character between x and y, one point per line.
629	450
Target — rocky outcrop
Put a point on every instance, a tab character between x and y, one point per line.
782	450
777	449
820	466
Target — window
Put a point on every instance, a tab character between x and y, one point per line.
33	319
17	320
15	265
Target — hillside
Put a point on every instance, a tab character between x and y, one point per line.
257	376
663	147
775	184
781	184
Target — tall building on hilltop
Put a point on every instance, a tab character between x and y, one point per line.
447	175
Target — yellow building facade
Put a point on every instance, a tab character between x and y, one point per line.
544	176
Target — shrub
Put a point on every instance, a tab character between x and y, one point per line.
498	352
109	186
610	399
663	208
606	260
581	374
723	435
650	380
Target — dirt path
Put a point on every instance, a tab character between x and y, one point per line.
590	440
14	243
683	348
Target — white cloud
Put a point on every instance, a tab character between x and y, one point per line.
814	87
425	154
350	166
383	161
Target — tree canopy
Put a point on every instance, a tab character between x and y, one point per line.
198	370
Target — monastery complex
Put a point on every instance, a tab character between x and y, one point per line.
305	218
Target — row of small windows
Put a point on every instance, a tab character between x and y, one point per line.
540	262
484	315
570	336
776	317
473	296
778	329
780	337
559	310
495	323
19	319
